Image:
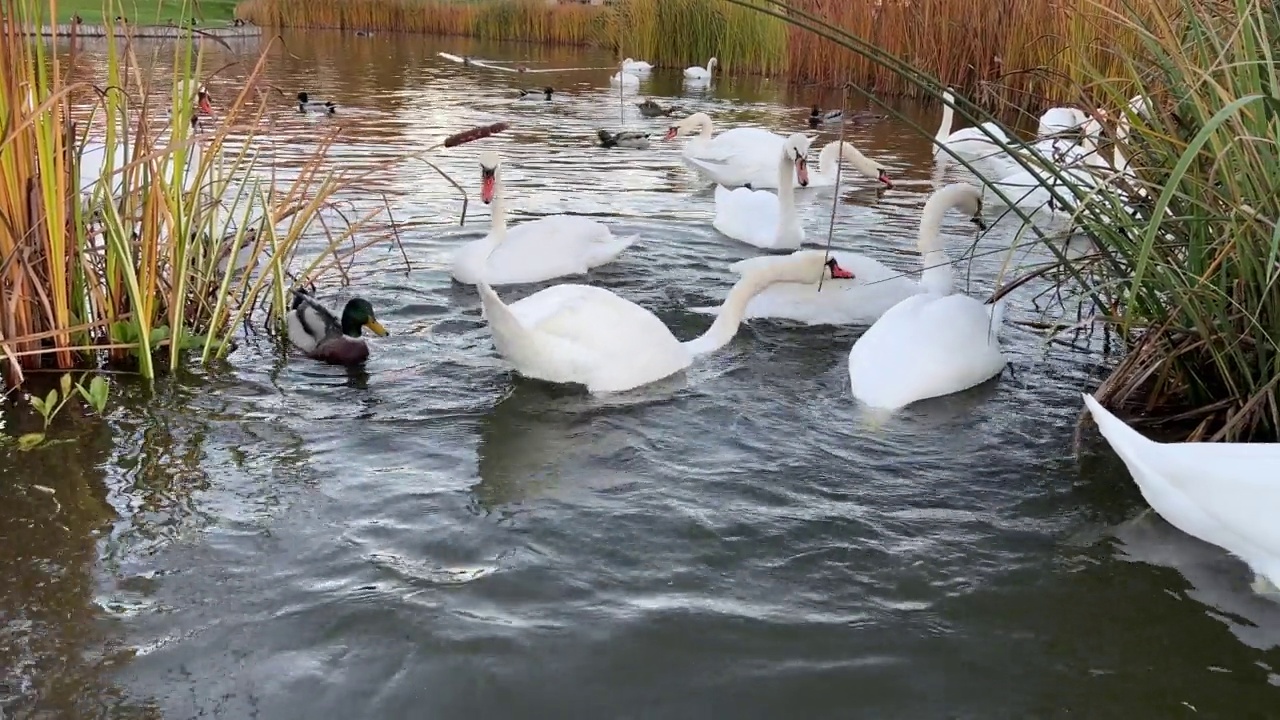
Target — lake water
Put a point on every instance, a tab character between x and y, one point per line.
433	537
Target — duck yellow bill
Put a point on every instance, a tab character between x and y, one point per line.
376	327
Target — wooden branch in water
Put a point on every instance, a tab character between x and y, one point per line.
478	133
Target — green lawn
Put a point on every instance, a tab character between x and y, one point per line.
214	13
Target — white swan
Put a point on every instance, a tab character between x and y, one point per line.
1061	119
625	79
701	73
760	218
590	336
549	247
868	292
1078	160
734	158
934	343
859	295
972	145
825	174
1225	494
636	67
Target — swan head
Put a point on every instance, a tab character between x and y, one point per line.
864	164
796	149
688	125
712	63
963	197
801	266
202	99
489	162
628	61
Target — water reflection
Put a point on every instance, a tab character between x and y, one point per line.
433	536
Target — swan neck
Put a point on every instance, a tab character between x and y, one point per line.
731	312
935	277
829	157
944	129
498	216
704	128
786	184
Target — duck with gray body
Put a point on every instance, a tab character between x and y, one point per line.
307	105
315	331
626	139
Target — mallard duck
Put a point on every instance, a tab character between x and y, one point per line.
861	117
649	108
316	332
543	94
626	138
315	106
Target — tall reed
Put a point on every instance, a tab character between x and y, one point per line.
524	20
167	246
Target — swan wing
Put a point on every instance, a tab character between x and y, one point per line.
748	215
1236	484
620	345
925	346
550	247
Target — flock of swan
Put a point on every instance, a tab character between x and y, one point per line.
924	338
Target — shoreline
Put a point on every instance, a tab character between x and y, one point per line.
141	31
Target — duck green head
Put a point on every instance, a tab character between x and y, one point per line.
357	315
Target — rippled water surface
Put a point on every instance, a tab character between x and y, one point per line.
434	537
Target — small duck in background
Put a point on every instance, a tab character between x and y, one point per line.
816	117
306	105
626	139
315	331
861	117
650	109
543	94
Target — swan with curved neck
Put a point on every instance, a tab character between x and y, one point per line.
587	335
625	79
637	67
868	292
701	73
735	158
833	152
972	144
1221	493
934	343
1078	160
760	218
551	246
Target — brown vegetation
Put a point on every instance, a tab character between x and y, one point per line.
1016	52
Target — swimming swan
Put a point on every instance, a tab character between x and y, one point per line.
701	73
587	335
972	145
760	218
934	343
542	249
1225	494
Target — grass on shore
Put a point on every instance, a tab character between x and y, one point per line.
148	12
139	263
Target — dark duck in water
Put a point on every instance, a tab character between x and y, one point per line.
306	105
315	331
626	139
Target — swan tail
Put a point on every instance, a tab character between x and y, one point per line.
509	334
1122	438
